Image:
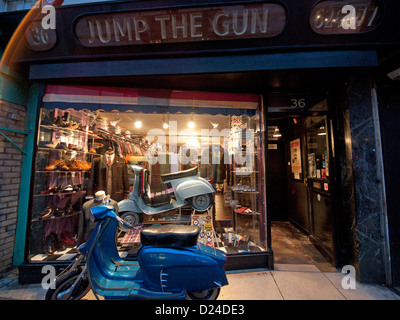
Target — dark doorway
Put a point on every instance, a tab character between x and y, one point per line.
302	212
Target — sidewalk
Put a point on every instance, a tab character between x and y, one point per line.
286	282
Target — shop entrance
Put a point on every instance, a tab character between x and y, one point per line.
300	185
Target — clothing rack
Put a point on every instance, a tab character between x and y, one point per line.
126	145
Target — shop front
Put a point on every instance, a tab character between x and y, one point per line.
254	98
127	142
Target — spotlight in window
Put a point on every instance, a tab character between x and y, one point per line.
165	125
277	134
138	124
191	124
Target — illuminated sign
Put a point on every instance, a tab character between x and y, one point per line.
256	20
345	17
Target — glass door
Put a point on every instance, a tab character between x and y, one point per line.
320	203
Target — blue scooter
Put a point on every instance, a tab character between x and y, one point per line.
170	265
184	187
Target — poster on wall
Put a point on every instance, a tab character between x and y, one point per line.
204	221
295	159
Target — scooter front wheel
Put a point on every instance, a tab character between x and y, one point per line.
64	283
130	217
209	294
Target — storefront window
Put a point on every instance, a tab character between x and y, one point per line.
138	146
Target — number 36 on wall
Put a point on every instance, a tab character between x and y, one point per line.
298	103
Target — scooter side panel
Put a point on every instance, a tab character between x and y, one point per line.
128	205
170	269
187	188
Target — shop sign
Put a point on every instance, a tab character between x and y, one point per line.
338	17
254	20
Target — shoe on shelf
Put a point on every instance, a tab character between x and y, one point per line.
68	188
74	166
71	125
51	145
63	167
92	150
58	122
46	121
241	209
67	238
54	165
59	212
50	190
47	212
66	116
50	244
69	209
62	145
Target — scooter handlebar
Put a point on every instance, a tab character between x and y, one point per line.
124	223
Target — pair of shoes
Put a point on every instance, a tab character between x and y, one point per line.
50	212
52	244
79	165
67	238
58	164
60	189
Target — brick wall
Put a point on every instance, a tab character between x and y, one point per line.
12	116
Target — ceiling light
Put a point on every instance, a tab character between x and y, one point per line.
138	124
191	124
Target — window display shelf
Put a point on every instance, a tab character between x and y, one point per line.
56	218
249	192
44	149
58	194
61	171
67	130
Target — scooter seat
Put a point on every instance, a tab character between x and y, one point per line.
170	235
180	174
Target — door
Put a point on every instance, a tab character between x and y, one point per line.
319	187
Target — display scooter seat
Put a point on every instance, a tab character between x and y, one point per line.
180	174
170	235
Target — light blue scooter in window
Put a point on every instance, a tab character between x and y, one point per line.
170	265
184	187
